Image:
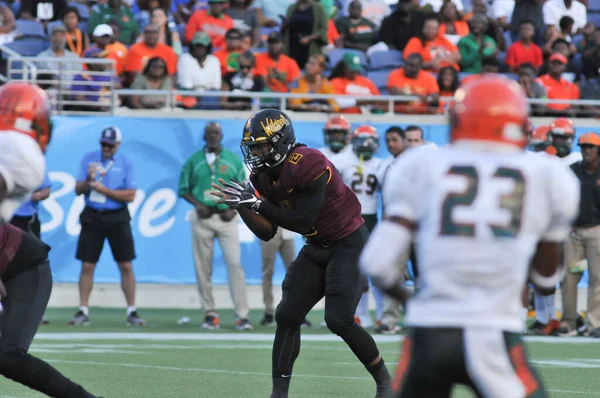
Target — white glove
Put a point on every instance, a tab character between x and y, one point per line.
242	193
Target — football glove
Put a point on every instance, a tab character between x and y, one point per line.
242	194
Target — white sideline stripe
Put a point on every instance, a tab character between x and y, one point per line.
203	370
262	337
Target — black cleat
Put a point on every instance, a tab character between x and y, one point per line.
268	320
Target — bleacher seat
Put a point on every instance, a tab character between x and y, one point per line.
594	17
16	6
83	26
84	11
52	25
385	60
379	78
29	46
30	29
336	55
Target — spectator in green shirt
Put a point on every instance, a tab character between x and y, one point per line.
105	11
210	220
476	46
357	32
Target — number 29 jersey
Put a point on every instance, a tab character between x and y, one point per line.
363	179
480	211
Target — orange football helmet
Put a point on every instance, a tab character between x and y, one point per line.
589	139
562	126
337	132
491	108
25	108
562	134
540	135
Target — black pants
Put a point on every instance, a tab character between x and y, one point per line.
323	271
28	293
29	224
370	221
98	226
433	360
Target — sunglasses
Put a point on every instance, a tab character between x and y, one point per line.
105	145
245	67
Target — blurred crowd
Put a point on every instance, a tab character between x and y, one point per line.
420	48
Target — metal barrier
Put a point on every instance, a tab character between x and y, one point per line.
90	93
28	69
103	95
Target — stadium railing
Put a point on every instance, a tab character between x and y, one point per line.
109	98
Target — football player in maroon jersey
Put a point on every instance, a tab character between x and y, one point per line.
297	188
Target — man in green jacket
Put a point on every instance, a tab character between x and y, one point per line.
476	46
209	220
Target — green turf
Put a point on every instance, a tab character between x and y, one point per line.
235	366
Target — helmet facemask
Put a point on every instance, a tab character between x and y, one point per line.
365	147
563	145
265	154
336	139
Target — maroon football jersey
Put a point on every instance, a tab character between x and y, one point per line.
10	240
341	211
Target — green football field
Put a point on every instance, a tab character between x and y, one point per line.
168	360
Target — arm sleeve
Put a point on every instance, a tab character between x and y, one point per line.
563	193
402	191
308	206
46	183
184	179
488	51
82	174
468	54
23	167
130	182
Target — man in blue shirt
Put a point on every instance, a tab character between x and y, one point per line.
26	217
107	180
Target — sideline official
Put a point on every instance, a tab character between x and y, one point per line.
584	242
107	180
26	216
211	221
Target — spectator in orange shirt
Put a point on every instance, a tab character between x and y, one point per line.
116	50
436	50
453	27
213	22
346	80
277	69
412	80
77	41
448	82
313	82
140	53
102	36
525	50
228	57
557	87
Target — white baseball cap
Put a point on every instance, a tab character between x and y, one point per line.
103	30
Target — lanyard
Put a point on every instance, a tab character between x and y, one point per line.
103	170
212	166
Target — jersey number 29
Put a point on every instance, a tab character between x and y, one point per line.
513	202
357	181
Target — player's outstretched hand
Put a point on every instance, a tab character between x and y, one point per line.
235	193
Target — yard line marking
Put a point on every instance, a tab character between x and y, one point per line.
565	364
261	337
203	370
575	392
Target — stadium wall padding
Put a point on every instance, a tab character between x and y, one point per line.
158	148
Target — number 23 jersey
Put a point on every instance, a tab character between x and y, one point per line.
364	180
480	215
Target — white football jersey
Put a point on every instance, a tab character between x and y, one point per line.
340	158
571	158
481	209
23	166
364	181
